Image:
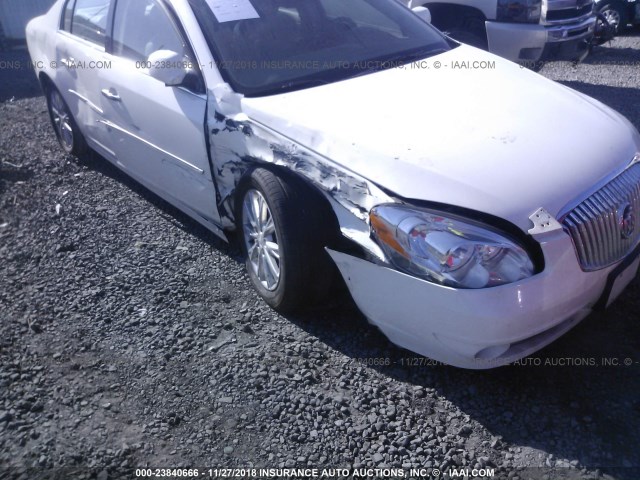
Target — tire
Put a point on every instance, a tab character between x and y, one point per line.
69	135
616	15
284	246
603	33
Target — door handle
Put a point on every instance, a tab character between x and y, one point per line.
68	62
111	94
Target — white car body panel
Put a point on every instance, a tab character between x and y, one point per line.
501	141
81	87
146	147
430	160
456	326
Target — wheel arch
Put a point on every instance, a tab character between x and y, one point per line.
46	82
80	145
239	145
306	226
314	193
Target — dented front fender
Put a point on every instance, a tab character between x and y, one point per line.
238	143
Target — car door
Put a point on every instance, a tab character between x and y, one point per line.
80	57
157	131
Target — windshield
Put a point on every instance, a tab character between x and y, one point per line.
264	47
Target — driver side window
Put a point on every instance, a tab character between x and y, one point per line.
142	27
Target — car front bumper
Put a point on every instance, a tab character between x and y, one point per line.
532	43
484	328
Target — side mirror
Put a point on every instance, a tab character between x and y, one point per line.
169	67
423	13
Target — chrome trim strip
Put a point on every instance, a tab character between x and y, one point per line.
132	135
559	26
108	150
571	22
64	33
92	105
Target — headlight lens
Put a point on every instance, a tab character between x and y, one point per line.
447	250
523	11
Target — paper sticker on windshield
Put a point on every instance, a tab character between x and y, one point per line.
232	10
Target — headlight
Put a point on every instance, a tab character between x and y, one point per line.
447	250
522	11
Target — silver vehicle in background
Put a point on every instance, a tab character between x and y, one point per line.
524	31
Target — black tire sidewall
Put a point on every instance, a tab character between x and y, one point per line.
79	145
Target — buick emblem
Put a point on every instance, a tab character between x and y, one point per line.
626	220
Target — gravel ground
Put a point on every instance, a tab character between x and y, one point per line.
131	337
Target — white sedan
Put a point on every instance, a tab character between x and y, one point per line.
475	210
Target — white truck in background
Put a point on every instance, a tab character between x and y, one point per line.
524	31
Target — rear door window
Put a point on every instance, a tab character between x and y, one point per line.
89	20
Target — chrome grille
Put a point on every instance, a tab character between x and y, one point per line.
569	13
567	10
595	225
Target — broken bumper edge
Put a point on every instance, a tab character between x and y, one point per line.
483	328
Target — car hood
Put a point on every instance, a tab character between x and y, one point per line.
501	140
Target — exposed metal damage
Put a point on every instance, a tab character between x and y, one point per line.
238	142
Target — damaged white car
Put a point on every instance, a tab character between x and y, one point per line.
467	203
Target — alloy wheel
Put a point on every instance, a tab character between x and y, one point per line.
261	240
613	17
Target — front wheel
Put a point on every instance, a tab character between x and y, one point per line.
283	231
66	128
